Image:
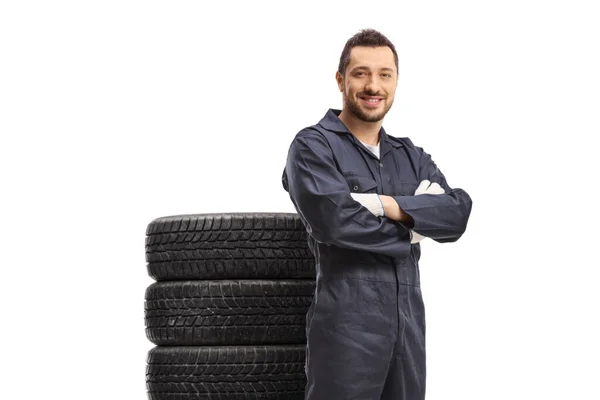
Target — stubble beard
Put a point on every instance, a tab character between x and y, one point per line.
365	116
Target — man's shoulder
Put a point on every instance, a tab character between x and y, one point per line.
315	131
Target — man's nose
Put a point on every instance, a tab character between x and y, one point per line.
373	85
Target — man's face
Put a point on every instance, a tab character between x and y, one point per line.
369	83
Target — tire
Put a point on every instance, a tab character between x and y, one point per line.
226	373
184	313
228	246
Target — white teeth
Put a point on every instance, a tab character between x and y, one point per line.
373	100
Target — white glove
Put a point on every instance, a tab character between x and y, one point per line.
425	187
371	201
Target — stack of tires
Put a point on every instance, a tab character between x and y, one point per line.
227	311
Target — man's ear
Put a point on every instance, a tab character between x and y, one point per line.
340	80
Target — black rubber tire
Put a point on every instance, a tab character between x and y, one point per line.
244	312
228	246
226	373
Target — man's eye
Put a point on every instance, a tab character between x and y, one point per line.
386	75
360	73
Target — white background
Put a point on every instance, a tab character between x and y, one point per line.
113	113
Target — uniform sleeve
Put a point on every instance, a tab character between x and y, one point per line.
321	196
441	217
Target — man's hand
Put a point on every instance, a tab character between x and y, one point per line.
425	187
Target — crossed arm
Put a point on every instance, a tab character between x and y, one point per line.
321	197
381	206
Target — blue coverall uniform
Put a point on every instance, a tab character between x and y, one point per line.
366	325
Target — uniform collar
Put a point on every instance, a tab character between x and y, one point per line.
332	122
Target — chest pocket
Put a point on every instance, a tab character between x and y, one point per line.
408	188
361	184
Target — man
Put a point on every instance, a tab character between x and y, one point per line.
367	199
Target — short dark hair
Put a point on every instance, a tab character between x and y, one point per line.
366	37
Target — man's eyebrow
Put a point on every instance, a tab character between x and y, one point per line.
365	67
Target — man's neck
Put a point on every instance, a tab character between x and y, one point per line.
366	132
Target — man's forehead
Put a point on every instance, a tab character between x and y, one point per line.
372	57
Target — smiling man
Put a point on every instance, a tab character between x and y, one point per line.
367	200
367	99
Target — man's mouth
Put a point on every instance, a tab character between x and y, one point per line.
371	101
